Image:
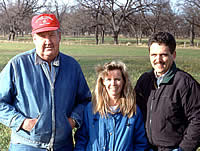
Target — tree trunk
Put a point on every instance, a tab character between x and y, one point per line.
97	34
192	35
102	35
137	38
4	33
82	32
140	37
11	35
22	33
116	37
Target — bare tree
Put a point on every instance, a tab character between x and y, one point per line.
17	12
95	9
77	21
59	9
135	26
191	11
159	16
115	12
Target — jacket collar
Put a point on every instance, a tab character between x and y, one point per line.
168	76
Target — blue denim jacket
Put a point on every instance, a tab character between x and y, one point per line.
114	133
27	91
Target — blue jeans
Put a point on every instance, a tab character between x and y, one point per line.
22	147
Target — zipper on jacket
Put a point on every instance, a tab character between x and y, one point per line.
51	82
53	120
150	120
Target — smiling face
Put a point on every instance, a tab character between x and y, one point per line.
114	82
161	58
47	44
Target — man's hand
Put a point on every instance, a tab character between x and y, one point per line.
28	124
72	122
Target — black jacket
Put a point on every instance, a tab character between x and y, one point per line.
172	111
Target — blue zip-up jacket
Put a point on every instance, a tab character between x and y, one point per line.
28	91
113	133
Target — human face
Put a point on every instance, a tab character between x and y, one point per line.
114	83
47	44
161	58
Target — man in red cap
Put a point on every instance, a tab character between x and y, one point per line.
43	92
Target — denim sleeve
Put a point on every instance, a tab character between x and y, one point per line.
140	140
83	96
8	114
82	134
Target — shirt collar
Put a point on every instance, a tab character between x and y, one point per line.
162	76
55	62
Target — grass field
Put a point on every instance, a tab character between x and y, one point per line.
90	56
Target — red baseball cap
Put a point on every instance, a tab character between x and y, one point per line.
44	22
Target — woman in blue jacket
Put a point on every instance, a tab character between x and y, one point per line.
112	121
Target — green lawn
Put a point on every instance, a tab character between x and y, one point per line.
89	56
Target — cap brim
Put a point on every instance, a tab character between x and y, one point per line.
44	29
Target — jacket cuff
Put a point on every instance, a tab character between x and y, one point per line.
77	119
16	122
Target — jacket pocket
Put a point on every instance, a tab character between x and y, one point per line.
63	127
42	126
175	118
38	118
67	121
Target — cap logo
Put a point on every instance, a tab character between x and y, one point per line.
43	20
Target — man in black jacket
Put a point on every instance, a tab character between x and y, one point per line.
169	99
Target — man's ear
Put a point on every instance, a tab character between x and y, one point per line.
174	55
33	37
60	35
